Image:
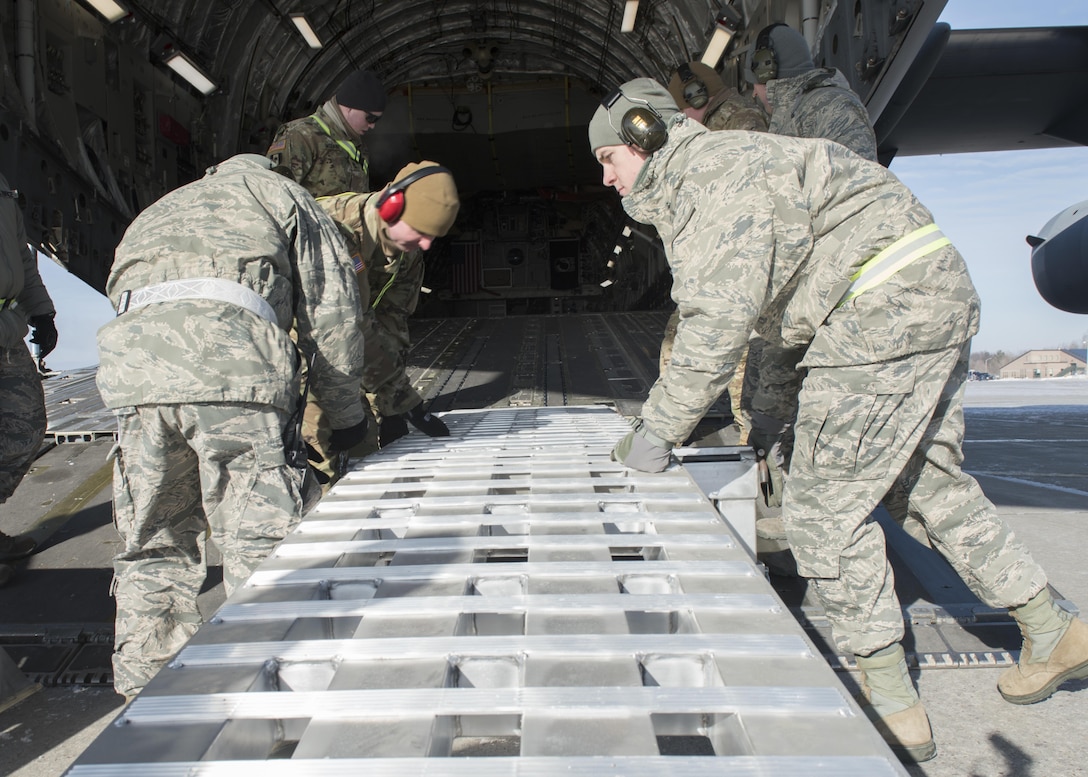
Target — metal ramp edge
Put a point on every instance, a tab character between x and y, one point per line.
504	601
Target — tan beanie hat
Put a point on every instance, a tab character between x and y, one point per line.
430	202
694	83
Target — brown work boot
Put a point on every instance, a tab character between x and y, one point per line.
1034	680
907	732
15	548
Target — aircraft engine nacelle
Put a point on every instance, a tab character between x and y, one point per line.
1059	259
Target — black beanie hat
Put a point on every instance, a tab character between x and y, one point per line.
363	91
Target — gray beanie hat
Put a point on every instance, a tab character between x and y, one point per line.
604	127
792	56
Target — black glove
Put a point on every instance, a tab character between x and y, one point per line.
637	452
45	334
392	427
430	425
346	439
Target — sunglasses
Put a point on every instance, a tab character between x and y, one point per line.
372	118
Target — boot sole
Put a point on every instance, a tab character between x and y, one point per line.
1079	672
916	754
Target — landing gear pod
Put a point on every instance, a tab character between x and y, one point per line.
1059	259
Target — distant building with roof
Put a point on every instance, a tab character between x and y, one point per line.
1047	363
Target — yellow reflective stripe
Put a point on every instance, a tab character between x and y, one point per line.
350	148
331	196
921	242
385	288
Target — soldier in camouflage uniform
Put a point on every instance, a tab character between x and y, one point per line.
204	379
837	266
806	101
391	230
701	95
325	151
23	299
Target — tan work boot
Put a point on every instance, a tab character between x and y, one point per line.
889	700
1055	650
907	732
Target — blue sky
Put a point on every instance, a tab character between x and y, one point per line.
986	203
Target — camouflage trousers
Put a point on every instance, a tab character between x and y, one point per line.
739	404
184	473
22	417
897	427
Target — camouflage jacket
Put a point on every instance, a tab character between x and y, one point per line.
19	278
391	280
324	162
246	224
729	109
763	233
820	104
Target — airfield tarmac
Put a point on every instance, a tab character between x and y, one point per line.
1027	443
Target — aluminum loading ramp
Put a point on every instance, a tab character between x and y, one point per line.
504	601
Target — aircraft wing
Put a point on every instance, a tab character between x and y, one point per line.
994	90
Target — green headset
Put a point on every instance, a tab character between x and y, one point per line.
764	59
641	127
695	91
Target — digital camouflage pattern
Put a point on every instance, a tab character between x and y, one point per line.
203	390
729	109
393	279
22	417
22	402
895	427
184	473
820	104
762	234
317	159
390	281
246	224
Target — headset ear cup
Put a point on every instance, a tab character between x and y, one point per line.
391	207
696	94
644	129
764	67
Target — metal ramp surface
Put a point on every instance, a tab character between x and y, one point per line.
504	601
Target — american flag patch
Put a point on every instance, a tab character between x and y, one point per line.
357	261
279	145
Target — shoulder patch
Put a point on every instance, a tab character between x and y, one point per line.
357	261
277	146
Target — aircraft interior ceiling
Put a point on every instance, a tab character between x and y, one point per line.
500	91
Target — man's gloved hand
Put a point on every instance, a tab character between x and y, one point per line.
430	425
639	453
766	440
346	439
391	428
45	334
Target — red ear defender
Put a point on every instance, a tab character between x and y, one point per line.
391	206
391	203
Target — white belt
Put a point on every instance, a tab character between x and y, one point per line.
199	288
